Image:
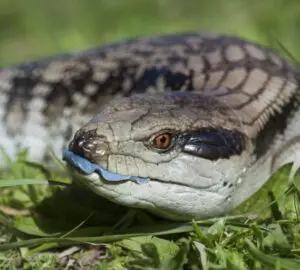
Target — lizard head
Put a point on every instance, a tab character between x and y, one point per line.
177	154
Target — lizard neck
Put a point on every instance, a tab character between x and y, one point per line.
284	149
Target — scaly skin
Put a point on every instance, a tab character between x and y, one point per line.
231	85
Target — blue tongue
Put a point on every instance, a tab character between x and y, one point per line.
87	167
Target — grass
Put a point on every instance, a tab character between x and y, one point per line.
47	226
50	226
35	28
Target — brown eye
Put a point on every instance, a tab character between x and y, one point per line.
163	141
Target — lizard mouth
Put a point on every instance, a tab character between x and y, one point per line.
86	167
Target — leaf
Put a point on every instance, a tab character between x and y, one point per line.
296	180
220	258
203	255
162	245
203	238
216	231
235	260
271	261
157	253
28	225
178	261
150	250
276	239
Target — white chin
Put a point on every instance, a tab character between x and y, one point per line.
169	200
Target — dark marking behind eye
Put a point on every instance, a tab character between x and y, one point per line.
213	143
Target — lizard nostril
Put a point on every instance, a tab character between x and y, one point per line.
89	144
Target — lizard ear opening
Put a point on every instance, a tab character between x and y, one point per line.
214	143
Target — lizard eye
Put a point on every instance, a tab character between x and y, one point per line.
162	141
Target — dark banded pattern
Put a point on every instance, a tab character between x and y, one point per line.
173	62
